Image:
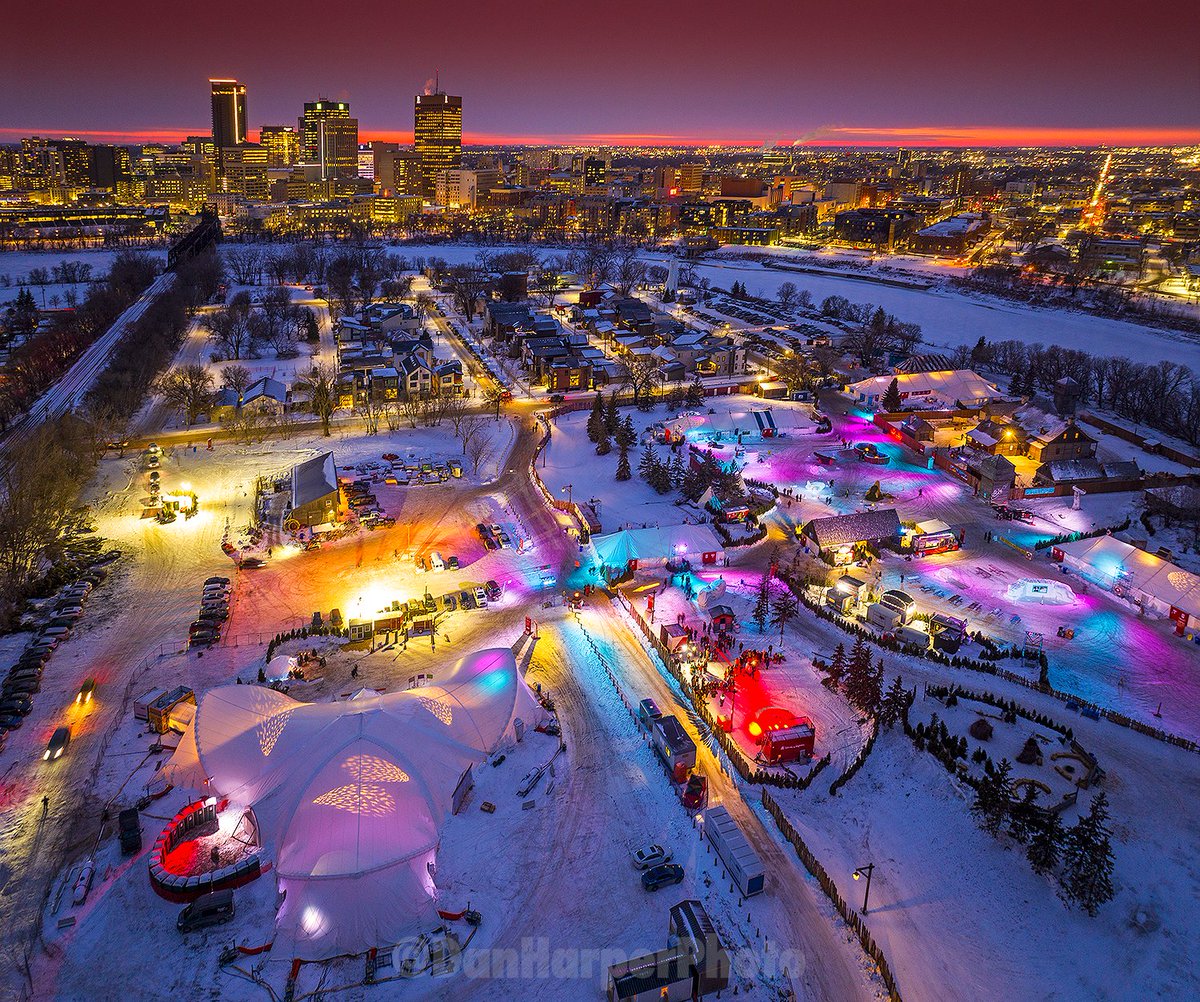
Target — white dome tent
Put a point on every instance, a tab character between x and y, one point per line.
349	797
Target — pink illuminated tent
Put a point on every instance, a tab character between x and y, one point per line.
349	797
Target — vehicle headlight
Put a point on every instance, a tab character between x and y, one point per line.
46	757
58	754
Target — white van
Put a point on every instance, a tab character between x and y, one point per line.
436	561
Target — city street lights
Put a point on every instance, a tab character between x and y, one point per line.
568	490
865	871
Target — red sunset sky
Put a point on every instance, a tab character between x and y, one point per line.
947	72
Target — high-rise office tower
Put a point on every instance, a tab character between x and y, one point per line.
329	137
437	138
228	113
282	143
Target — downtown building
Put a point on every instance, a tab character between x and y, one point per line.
437	138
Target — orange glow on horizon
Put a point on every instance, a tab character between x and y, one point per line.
911	136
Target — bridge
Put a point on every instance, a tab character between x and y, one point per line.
198	239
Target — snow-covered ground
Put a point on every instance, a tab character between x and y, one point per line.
949	317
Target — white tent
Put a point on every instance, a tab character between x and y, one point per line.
1157	584
349	797
655	546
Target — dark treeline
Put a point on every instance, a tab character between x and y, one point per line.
1165	396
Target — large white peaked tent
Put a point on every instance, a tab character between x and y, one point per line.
349	797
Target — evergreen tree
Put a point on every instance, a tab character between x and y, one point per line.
783	611
857	671
993	798
678	471
623	471
625	434
647	462
1088	858
695	392
893	704
604	446
660	477
595	421
694	482
891	397
612	418
762	605
874	493
1023	819
980	353
837	667
1046	839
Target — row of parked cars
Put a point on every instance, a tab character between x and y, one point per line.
494	536
24	678
363	502
472	598
214	610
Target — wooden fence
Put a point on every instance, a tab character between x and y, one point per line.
849	915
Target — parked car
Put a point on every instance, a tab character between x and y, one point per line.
663	875
696	792
450	602
10	721
217	580
650	855
57	632
493	591
452	562
57	747
480	597
252	563
215	908
466	600
21	687
556	398
22	705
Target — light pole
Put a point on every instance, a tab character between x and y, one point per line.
569	490
865	871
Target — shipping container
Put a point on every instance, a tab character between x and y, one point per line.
740	859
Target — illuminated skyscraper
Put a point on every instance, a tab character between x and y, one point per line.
437	138
228	113
329	137
282	143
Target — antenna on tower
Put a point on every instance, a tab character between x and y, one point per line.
437	89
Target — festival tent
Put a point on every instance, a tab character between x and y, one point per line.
655	546
348	797
1133	573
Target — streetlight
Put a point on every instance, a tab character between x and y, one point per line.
569	491
865	871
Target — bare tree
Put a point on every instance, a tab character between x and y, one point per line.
475	438
245	264
410	408
229	328
237	378
187	388
454	408
629	270
786	296
321	388
640	375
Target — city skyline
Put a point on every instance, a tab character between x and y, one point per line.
1038	76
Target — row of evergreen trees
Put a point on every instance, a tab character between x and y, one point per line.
779	609
861	680
1082	855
